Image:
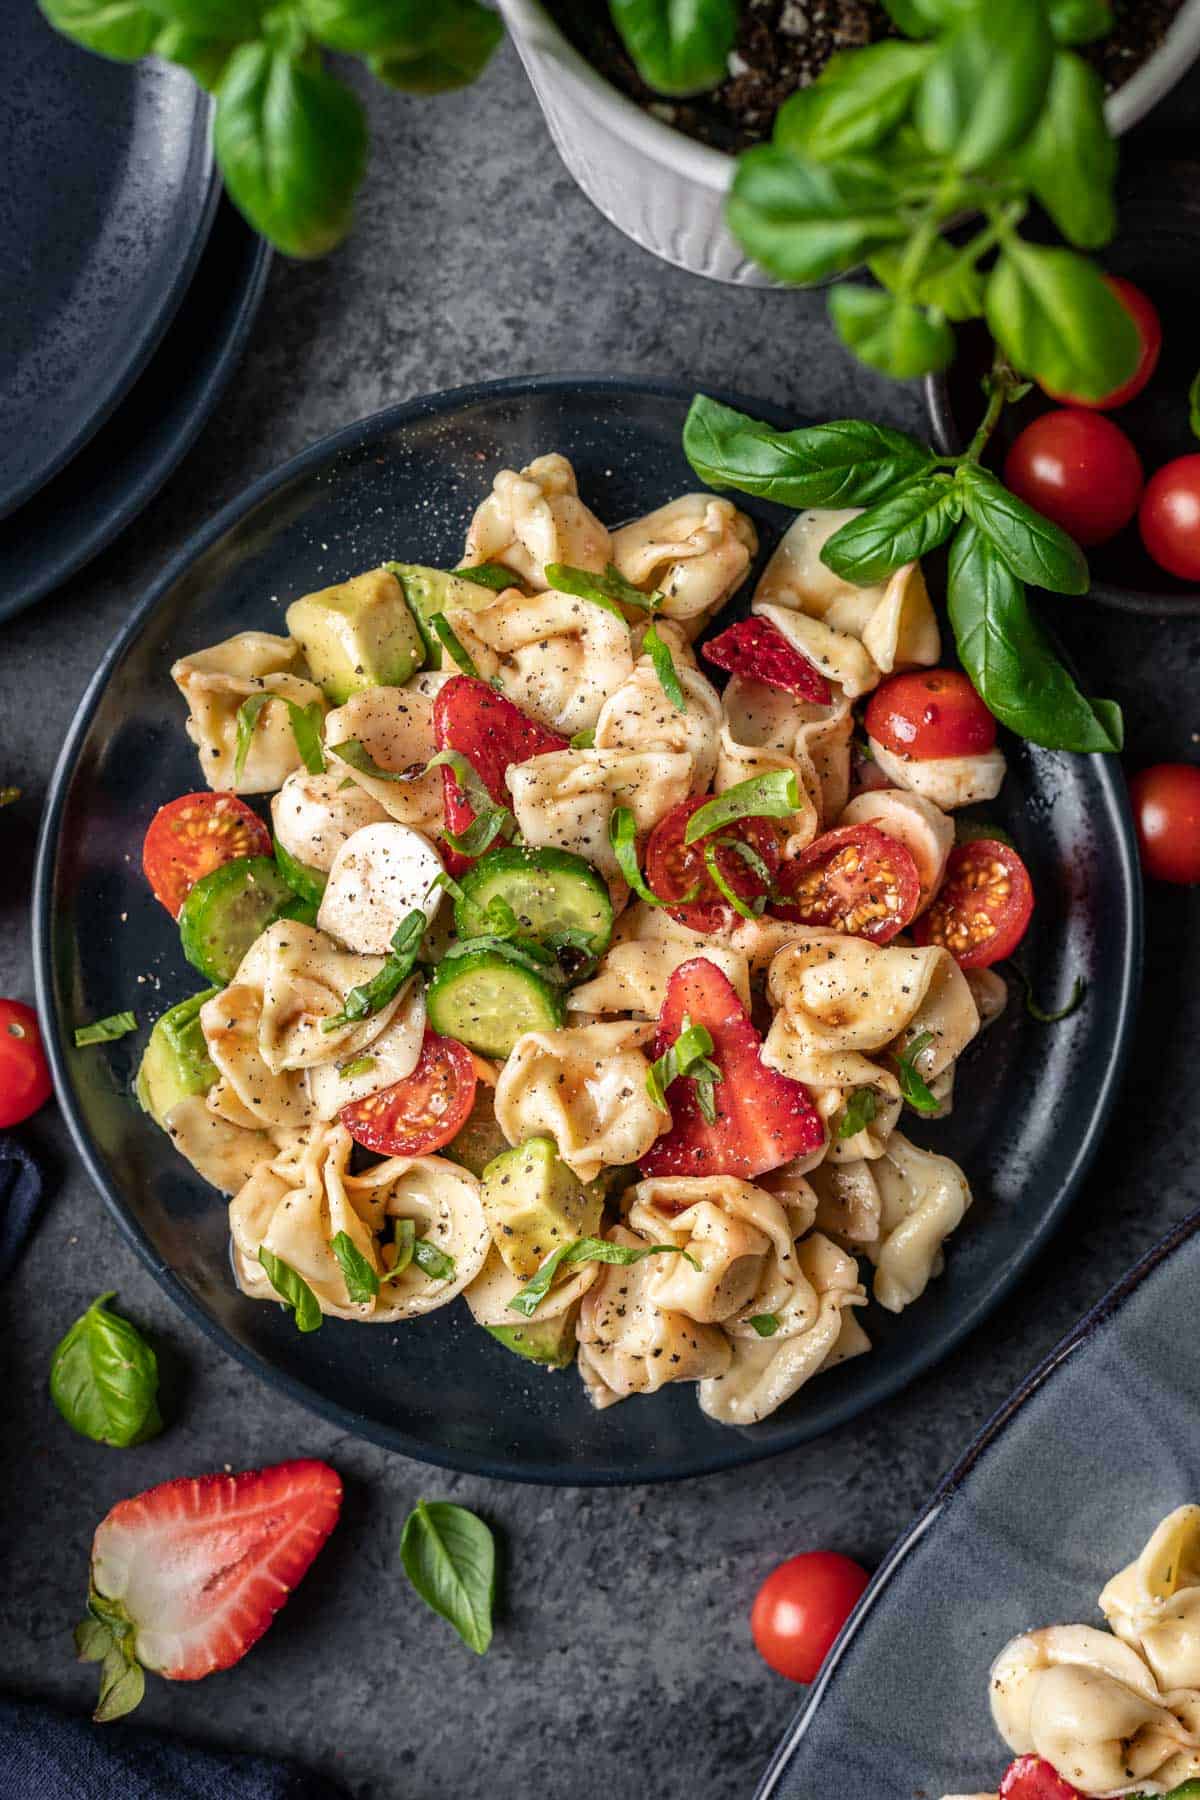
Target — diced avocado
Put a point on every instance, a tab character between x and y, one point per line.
430	591
175	1063
533	1204
358	634
550	1341
479	1138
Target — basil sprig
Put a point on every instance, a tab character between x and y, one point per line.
775	795
104	1379
610	590
622	835
372	996
914	1089
305	721
581	1250
689	1055
292	1289
858	1113
664	668
449	1555
105	1031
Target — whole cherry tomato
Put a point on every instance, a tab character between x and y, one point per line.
1169	517
801	1607
1078	469
1166	811
24	1073
1144	314
930	713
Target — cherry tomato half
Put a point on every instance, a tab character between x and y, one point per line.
1078	469
24	1073
194	835
678	874
416	1116
1169	517
1031	1778
1166	811
1144	314
983	907
800	1608
930	713
856	879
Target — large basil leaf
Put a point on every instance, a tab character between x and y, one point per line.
1080	21
848	462
449	1555
1069	159
292	145
948	280
104	1379
1009	660
896	531
233	20
361	27
679	46
804	220
1056	319
1035	550
204	57
857	100
983	90
890	334
465	35
117	28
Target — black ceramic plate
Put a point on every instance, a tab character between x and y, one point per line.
1060	1490
114	476
1031	1099
107	197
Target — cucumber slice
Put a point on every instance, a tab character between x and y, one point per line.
227	910
488	1002
308	883
550	891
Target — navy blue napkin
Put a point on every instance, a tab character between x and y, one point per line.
21	1188
49	1755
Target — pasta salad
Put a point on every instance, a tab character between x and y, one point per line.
567	981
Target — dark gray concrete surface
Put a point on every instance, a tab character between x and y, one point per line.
622	1663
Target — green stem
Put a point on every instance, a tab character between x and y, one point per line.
919	246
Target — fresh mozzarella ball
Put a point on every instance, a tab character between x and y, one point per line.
378	876
313	815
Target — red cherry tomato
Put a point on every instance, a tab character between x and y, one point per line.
801	1607
1030	1778
24	1073
758	649
1080	470
983	907
678	874
930	713
856	879
493	734
1144	314
194	835
416	1116
762	1118
1166	811
1169	517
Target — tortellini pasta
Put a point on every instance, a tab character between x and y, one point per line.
215	683
812	739
629	1344
633	975
225	1155
1154	1604
535	518
639	716
564	798
395	728
585	1087
923	1198
557	657
948	781
695	551
313	815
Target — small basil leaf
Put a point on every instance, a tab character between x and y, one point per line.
355	752
362	1065
1080	21
292	1289
489	575
449	1555
984	88
894	532
587	1249
1070	159
305	721
404	1240
858	1112
1036	550
692	1047
892	335
362	1283
431	1261
765	1324
622	835
105	1031
611	590
948	280
118	29
664	668
464	35
857	100
849	462
365	1001
453	645
104	1379
914	1089
584	740
1056	319
1078	990
805	220
744	908
775	795
678	50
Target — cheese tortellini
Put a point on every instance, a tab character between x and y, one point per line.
564	799
555	656
216	682
695	551
534	518
585	1087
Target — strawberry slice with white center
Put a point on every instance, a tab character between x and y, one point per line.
187	1576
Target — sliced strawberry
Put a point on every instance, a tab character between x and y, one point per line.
493	734
187	1576
756	648
1031	1778
762	1119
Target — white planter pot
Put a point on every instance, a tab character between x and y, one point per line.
666	191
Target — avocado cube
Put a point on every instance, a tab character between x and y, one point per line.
548	1341
430	591
534	1204
175	1063
358	634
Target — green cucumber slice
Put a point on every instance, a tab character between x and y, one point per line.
308	883
226	911
488	1002
550	891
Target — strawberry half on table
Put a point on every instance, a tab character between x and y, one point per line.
188	1575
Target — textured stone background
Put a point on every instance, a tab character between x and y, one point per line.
622	1664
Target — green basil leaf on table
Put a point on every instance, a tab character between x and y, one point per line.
291	142
1080	21
586	1249
1056	319
105	1031
678	46
947	280
984	87
892	335
292	1289
914	1089
804	220
855	102
449	1555
104	1379
1009	660
305	721
1070	159
362	1283
664	668
849	462
857	1113
896	531
775	795
1034	548
115	28
465	34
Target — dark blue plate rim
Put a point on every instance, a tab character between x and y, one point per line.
889	1378
948	1486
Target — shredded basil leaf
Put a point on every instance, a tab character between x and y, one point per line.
610	590
355	752
526	953
766	1324
913	1086
362	1283
404	1239
362	1065
622	835
363	1002
1078	990
584	740
305	721
292	1289
664	668
689	1055
587	1249
859	1110
105	1031
750	857
775	795
431	1261
489	575
453	645
747	909
490	821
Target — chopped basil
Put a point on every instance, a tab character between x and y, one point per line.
610	590
431	1261
664	668
490	821
362	1283
688	1055
913	1087
622	835
362	1065
587	1249
354	752
449	1555
403	1240
292	1289
306	722
489	575
453	645
750	857
105	1031
584	740
859	1110
1078	990
747	909
775	795
766	1324
363	1002
526	954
